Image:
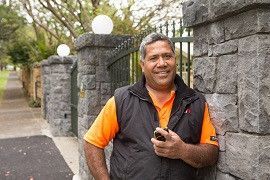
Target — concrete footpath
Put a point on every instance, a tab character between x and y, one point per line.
24	125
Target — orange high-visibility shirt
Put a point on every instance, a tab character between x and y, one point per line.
106	126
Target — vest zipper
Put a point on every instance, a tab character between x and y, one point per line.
181	110
185	104
135	94
144	99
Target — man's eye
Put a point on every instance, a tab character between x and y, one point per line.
153	58
167	56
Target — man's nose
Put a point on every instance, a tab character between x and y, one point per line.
161	61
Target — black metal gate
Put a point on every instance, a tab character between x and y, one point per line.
74	98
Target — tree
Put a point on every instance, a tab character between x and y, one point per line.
19	53
150	13
41	49
10	22
61	21
66	19
27	50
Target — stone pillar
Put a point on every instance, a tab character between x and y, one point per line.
94	52
232	45
45	84
57	92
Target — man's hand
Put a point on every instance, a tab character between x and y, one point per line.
171	148
196	155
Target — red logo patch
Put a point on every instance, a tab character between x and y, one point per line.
187	111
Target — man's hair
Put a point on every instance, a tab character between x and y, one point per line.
151	38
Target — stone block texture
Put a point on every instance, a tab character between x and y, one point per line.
248	156
94	52
45	81
226	82
198	12
223	112
232	49
56	93
205	78
254	84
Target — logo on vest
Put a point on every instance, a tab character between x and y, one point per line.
187	111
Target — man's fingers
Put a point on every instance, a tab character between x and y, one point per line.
161	131
160	153
167	135
172	133
158	143
160	150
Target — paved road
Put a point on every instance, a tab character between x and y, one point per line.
27	148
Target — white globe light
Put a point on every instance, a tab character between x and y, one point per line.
63	50
102	24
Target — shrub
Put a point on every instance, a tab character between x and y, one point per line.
34	103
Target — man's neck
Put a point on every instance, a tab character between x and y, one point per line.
161	95
162	90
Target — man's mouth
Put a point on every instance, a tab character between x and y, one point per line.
162	72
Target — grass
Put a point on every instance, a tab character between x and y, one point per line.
3	81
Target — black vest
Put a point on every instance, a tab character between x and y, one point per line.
133	155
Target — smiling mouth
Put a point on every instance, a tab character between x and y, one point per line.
162	72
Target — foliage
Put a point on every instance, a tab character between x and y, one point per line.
27	49
122	24
41	49
61	21
20	53
10	21
3	81
150	13
34	103
4	61
66	19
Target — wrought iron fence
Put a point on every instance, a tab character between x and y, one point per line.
124	65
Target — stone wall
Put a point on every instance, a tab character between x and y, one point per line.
31	80
36	81
232	46
56	105
93	78
45	81
25	77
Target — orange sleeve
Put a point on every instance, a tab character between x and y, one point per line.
104	127
208	135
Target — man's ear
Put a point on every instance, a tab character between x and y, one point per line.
142	65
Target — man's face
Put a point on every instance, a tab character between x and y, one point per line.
159	65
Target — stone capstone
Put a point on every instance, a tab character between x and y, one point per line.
98	40
197	12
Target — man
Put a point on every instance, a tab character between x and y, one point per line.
159	99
